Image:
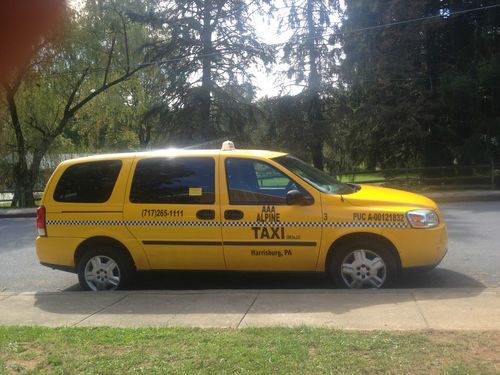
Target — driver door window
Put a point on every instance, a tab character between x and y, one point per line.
255	182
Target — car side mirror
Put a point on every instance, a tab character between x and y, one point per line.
297	198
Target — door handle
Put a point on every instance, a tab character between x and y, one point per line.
233	215
205	214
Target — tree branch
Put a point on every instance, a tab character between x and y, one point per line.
110	57
101	89
125	40
71	98
33	124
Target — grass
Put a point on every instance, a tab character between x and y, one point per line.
33	350
367	177
361	177
7	204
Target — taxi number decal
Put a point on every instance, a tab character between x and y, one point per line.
162	213
363	216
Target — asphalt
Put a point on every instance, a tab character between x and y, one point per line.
440	197
437	308
395	310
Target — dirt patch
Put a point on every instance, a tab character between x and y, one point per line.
19	365
313	351
481	346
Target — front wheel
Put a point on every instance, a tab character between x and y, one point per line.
363	264
103	269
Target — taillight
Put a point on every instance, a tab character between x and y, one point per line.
40	221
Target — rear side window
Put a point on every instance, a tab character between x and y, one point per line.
91	182
174	180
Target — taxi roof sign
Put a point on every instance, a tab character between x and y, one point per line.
227	146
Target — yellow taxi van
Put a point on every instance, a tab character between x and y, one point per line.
105	217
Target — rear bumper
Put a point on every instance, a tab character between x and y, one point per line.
57	251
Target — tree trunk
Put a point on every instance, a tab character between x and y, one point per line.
23	185
206	79
314	115
315	119
144	136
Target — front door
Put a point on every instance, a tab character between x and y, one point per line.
174	212
260	230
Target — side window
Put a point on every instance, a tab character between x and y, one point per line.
255	182
91	182
174	180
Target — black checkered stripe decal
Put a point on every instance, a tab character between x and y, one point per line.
347	224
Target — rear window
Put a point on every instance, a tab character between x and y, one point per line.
91	182
175	180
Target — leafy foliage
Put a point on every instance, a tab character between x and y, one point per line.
421	92
44	95
206	58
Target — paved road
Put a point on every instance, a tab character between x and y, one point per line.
473	260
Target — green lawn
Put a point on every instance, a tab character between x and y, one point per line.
248	351
7	204
361	177
367	177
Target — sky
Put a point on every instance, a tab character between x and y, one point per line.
267	31
266	28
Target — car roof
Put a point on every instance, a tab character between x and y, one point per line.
171	152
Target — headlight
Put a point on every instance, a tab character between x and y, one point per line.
422	219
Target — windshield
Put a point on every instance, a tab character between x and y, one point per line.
320	180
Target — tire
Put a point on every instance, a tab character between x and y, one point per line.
104	268
360	264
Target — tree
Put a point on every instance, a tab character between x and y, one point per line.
308	56
210	48
43	95
462	58
421	77
282	123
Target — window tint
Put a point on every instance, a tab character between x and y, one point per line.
91	182
175	180
255	182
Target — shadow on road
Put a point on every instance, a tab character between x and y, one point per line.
186	294
197	280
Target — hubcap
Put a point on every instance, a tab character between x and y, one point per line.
363	269
102	273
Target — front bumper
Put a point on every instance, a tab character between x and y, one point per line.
420	247
426	267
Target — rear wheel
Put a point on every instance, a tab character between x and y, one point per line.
363	264
104	269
